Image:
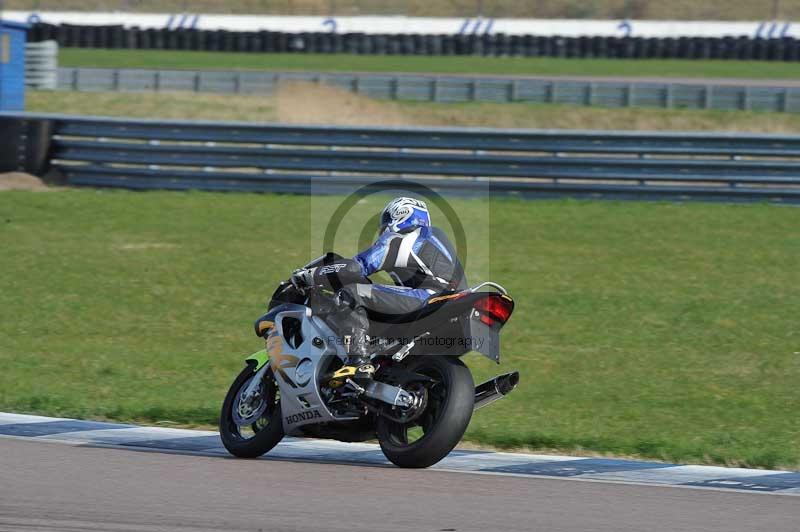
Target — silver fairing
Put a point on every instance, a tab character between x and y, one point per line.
297	369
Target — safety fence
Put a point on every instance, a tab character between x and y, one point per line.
150	154
487	44
447	89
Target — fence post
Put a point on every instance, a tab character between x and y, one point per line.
513	94
552	92
629	95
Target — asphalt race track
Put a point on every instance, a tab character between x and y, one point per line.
54	482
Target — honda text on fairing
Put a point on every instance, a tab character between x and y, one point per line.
350	360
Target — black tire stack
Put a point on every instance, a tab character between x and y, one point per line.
116	37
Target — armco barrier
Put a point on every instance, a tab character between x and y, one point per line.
741	48
145	154
447	88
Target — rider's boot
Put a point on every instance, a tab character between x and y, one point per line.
357	367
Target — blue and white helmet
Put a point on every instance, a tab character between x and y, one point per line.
404	214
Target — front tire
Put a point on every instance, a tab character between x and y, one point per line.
446	416
250	438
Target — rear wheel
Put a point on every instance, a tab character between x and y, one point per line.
430	435
251	425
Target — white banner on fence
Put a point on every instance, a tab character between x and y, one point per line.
418	25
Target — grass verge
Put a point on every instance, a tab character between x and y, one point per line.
307	103
540	66
658	330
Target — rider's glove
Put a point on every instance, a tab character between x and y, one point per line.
302	278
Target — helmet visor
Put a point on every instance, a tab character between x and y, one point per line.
386	218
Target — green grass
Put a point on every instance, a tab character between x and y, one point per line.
79	57
661	330
306	103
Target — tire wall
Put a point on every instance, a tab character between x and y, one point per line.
119	37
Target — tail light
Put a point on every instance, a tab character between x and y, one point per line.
494	309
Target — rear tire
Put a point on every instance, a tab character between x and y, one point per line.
270	432
444	420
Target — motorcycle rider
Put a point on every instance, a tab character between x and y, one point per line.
420	259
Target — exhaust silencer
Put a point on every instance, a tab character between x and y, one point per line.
490	391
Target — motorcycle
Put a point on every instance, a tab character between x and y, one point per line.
417	405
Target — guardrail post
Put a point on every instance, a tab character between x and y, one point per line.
668	97
513	91
196	81
552	92
472	90
707	96
75	82
629	95
157	81
746	99
784	105
394	88
435	90
115	80
356	84
237	83
589	94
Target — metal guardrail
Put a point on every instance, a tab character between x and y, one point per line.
41	65
146	154
445	88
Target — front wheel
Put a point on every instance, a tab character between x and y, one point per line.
428	437
251	424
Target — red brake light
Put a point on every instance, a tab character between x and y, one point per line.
494	309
